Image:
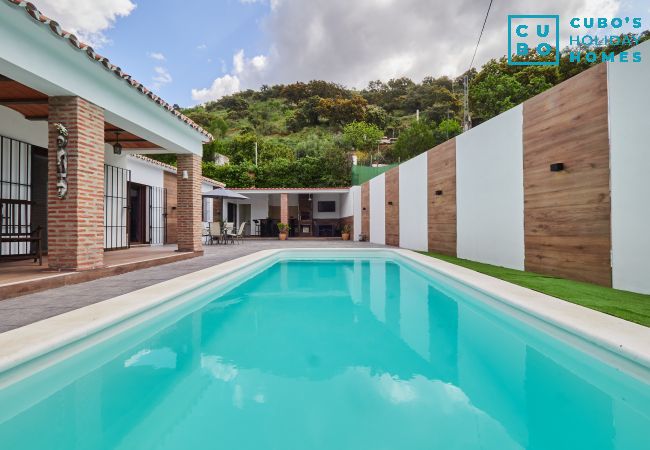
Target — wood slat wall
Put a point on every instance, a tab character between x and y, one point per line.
567	214
441	176
392	207
365	209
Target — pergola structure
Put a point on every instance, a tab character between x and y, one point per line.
60	94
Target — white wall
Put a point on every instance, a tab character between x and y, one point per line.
14	125
629	131
347	206
378	209
208	215
336	198
145	173
490	191
413	217
355	193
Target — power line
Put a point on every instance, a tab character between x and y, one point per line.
480	35
467	118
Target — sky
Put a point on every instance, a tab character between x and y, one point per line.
191	52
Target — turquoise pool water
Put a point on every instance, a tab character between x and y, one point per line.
339	355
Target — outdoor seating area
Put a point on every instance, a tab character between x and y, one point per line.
215	233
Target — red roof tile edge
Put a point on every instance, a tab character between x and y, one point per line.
54	26
174	169
291	188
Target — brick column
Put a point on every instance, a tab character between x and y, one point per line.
284	208
76	223
189	204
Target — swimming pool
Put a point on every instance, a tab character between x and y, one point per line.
327	350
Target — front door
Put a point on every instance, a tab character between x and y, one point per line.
138	213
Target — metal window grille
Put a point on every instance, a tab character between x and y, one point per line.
116	204
15	194
157	215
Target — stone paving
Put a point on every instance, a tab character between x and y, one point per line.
20	311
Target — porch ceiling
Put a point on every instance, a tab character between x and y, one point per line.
33	105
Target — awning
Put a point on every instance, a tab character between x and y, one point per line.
223	193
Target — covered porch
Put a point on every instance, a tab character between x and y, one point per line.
70	123
310	212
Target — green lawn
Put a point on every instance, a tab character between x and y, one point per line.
623	304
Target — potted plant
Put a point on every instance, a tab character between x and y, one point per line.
283	228
345	232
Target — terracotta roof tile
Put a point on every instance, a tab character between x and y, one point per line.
99	59
174	169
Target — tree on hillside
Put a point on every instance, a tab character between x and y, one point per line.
341	111
417	138
378	116
362	136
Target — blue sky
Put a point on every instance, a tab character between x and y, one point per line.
197	42
190	52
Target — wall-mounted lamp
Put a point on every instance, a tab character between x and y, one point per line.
364	209
185	175
117	147
557	167
438	192
390	203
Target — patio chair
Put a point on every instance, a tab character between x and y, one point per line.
215	232
205	234
239	236
227	232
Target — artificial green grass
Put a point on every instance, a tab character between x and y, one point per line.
626	305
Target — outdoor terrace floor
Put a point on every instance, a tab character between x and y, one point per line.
19	311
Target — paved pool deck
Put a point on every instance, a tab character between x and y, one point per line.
19	311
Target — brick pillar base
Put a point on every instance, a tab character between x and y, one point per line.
284	208
189	205
75	224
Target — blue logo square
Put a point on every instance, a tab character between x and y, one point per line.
538	32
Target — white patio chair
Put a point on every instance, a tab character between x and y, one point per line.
227	232
239	236
205	234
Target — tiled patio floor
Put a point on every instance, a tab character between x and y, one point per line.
20	311
26	270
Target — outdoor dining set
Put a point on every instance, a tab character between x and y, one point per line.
214	232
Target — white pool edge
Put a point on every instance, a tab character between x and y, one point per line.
622	338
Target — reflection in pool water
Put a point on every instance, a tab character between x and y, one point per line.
365	354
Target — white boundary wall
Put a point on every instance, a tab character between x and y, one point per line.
378	209
629	131
490	191
413	217
355	193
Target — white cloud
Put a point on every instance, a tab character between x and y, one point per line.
157	56
201	47
87	19
245	71
355	42
161	78
220	87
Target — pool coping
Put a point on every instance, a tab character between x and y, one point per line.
620	337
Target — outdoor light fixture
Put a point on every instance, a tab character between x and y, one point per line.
390	203
117	147
557	167
185	175
438	192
